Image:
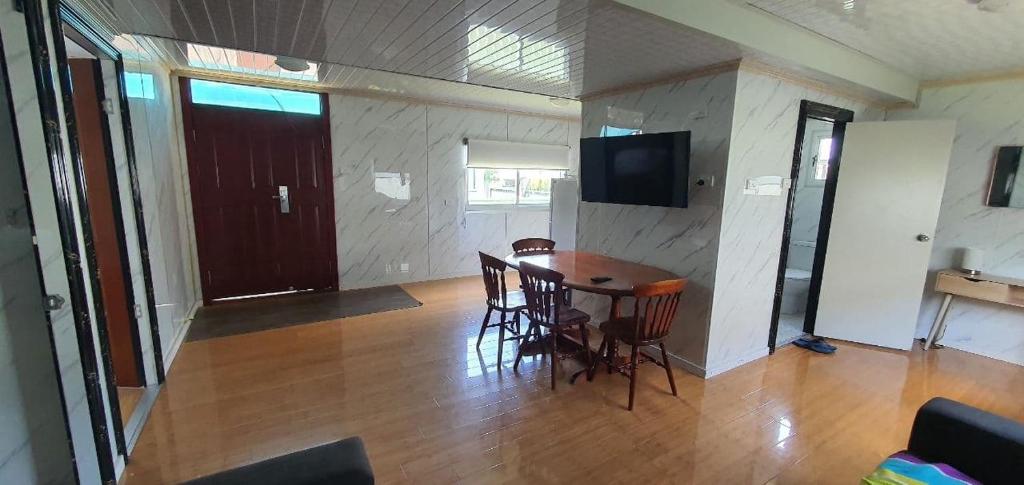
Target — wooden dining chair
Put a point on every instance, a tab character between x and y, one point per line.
653	313
501	300
545	308
533	245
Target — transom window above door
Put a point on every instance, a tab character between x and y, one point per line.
254	97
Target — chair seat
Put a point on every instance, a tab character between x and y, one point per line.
623	329
570	316
515	300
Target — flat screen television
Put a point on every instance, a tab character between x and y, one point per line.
651	169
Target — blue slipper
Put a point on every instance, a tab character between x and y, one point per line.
816	344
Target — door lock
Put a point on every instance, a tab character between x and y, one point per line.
923	237
282	198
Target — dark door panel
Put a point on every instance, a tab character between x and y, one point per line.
238	161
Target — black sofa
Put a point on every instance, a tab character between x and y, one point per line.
986	447
342	462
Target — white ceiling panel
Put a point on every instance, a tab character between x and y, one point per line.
559	48
931	39
562	48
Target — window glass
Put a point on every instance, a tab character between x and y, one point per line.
492	186
535	185
139	85
509	187
254	97
821	159
616	131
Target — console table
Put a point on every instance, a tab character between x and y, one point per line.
986	287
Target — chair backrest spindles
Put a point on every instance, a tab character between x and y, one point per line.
533	245
493	270
655	308
542	288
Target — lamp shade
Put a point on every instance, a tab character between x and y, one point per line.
973	259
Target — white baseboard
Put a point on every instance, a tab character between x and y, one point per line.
718	368
179	339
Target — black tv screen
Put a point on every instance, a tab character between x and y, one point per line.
651	169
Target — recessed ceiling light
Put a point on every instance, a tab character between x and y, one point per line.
849	4
291	64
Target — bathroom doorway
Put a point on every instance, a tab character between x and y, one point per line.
814	175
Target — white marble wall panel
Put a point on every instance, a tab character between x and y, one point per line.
111	88
33	443
684	241
988	115
160	169
430	234
426	229
380	186
454	233
763	138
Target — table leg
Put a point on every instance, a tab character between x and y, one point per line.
613	345
939	326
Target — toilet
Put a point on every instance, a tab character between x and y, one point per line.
794	293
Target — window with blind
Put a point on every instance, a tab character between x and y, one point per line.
503	175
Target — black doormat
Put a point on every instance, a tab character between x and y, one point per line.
239	317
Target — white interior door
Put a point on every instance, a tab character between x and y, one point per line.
887	202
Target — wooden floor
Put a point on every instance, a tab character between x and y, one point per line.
128	398
431	409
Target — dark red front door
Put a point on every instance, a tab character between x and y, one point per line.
240	160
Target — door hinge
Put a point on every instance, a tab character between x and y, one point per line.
52	303
138	311
108	106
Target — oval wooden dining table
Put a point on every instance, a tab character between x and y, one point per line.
580	266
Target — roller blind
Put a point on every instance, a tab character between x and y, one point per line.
504	154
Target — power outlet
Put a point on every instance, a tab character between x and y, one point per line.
404	268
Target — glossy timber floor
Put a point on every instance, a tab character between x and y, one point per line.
431	409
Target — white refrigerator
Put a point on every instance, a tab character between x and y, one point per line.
565	202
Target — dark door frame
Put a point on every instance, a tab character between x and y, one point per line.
36	26
839	117
185	93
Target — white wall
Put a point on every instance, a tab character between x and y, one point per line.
684	241
431	232
988	115
33	442
763	138
156	132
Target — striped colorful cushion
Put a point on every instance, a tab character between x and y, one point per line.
905	469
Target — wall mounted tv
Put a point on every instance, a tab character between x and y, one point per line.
651	169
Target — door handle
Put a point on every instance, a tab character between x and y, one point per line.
923	237
282	198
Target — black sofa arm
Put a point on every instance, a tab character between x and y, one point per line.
341	462
986	447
